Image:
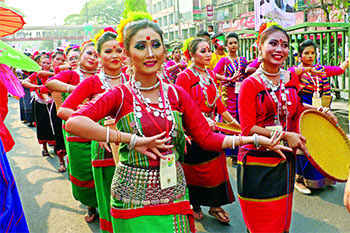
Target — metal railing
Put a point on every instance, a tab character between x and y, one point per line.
333	40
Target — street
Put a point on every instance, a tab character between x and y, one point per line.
50	207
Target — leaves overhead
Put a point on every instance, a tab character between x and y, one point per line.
134	5
98	12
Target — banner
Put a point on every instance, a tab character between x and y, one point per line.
197	13
210	12
280	11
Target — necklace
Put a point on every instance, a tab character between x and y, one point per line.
202	69
164	110
280	103
88	72
113	77
203	83
138	85
270	74
106	80
236	67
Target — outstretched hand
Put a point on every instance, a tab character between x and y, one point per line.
347	195
150	146
273	144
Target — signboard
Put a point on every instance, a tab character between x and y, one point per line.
282	12
246	22
210	12
196	11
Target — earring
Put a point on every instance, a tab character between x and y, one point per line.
260	58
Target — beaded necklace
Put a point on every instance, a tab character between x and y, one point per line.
203	83
164	111
106	80
281	102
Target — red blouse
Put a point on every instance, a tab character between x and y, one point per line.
256	107
67	76
34	78
193	121
190	82
88	88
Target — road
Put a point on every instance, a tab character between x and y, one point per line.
50	207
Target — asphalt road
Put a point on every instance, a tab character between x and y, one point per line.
50	207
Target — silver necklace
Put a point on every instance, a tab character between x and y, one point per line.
88	72
138	85
270	74
113	77
169	115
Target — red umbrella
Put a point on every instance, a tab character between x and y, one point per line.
10	22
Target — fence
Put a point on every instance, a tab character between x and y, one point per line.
333	40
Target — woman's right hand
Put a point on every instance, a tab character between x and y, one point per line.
149	145
296	141
211	124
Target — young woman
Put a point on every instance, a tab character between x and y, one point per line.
147	198
111	57
174	67
200	83
233	67
78	149
268	103
42	105
314	85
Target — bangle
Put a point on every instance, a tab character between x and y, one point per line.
119	136
133	141
68	88
240	140
256	140
303	69
320	109
272	133
107	136
233	142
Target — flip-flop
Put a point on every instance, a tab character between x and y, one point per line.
90	216
44	153
198	215
62	167
215	213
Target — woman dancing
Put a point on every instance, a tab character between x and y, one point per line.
147	198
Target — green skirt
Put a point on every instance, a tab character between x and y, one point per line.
80	172
103	167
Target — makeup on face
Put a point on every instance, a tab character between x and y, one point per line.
111	55
146	51
275	48
89	58
203	54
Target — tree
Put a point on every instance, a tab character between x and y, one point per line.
134	5
326	5
98	12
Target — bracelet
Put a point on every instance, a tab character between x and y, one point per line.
233	142
320	109
303	69
240	140
119	136
272	133
325	110
107	136
68	88
256	140
133	141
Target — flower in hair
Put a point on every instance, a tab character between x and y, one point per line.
71	46
85	42
265	26
185	47
132	16
100	33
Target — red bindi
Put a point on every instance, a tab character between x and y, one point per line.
281	40
114	47
148	37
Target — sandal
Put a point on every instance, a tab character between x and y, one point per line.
45	153
62	167
197	213
216	214
90	216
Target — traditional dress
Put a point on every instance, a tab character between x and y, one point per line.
12	217
206	172
173	74
311	84
266	181
226	66
44	113
138	203
215	59
103	165
78	152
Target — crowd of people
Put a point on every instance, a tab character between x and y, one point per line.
138	125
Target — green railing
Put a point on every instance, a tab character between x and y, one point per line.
332	42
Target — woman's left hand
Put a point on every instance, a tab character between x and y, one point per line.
274	144
149	145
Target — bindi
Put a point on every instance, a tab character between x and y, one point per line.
114	47
281	40
148	37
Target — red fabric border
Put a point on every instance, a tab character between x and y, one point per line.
206	174
76	139
163	209
81	183
106	225
103	162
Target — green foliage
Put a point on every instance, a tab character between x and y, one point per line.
134	5
97	12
